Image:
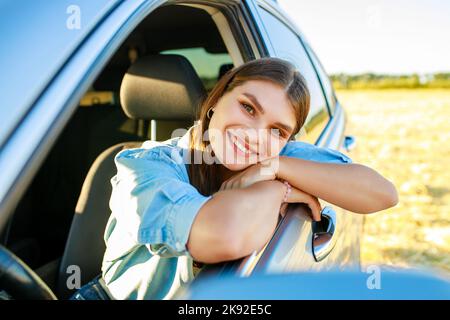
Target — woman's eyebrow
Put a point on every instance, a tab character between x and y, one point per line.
255	101
261	109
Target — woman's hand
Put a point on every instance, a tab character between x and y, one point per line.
254	173
299	196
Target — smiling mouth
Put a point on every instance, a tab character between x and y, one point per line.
241	146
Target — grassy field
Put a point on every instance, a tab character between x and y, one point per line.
405	135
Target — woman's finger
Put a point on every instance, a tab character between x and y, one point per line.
249	176
316	210
298	196
283	208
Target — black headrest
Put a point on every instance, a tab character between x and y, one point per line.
161	87
224	69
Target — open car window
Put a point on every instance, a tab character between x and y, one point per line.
209	66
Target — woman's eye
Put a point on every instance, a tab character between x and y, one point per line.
278	133
248	108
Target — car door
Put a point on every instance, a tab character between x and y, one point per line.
292	247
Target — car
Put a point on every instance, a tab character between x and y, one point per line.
62	124
391	284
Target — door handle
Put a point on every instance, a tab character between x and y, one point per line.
323	234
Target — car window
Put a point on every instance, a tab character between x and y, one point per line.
287	46
324	79
207	65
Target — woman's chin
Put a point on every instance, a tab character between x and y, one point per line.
235	162
236	166
239	164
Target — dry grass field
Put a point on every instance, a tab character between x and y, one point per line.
405	135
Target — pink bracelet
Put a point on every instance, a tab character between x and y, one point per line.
288	190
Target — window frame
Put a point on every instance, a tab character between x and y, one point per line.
318	66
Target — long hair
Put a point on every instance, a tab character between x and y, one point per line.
205	176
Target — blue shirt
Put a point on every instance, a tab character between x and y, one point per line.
153	206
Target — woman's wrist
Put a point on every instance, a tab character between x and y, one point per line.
282	190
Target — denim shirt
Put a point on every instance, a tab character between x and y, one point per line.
153	207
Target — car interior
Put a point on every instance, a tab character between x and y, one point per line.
151	86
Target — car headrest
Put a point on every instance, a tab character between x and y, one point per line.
224	69
161	87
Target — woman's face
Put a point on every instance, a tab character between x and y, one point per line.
251	123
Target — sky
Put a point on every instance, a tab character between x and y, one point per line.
381	36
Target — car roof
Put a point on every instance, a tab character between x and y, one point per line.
36	43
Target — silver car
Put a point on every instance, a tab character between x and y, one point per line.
62	123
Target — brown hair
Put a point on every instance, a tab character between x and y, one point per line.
205	176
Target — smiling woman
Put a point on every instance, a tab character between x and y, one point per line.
167	204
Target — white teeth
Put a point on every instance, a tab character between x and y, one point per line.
241	147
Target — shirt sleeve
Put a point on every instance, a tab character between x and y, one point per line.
153	201
307	151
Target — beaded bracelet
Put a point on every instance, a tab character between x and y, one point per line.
288	190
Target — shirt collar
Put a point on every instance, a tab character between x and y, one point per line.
184	140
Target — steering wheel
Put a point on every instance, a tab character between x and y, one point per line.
19	281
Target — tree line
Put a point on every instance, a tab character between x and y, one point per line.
386	81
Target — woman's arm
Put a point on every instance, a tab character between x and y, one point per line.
354	187
235	222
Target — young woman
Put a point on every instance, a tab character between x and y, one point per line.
216	193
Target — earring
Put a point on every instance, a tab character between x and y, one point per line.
208	114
